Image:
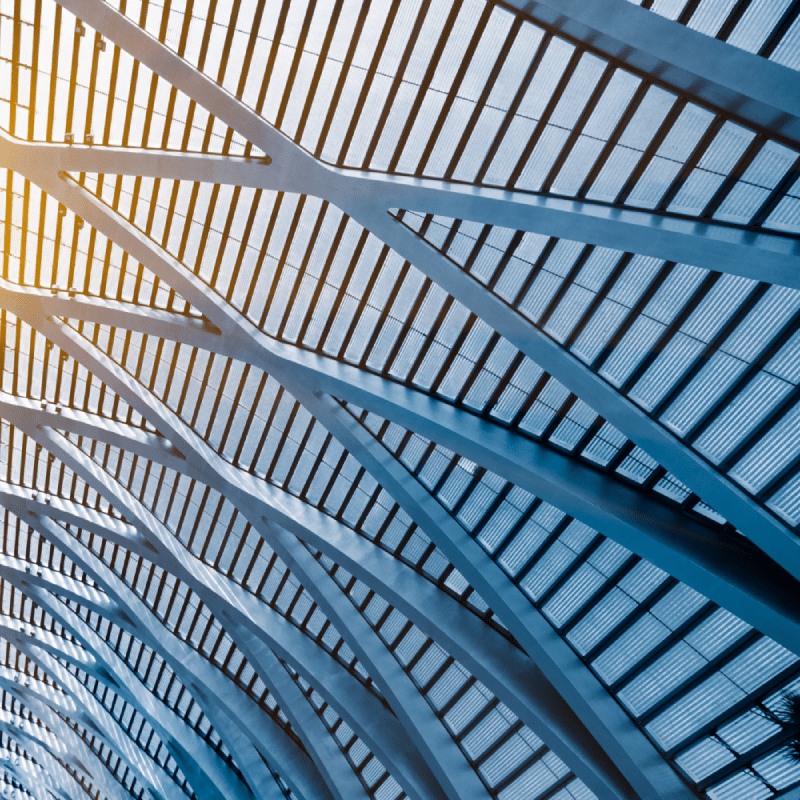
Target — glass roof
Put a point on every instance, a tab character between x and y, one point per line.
398	399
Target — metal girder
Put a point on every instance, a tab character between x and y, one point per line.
367	196
633	754
753	586
634	762
192	754
746	86
247	490
49	767
505	669
197	675
77	748
102	668
759	525
418	718
244	614
84	707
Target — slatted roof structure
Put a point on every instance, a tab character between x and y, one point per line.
399	399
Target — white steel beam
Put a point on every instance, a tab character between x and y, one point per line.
429	734
246	615
753	520
759	525
762	256
192	754
226	479
754	89
633	754
505	669
751	585
294	164
76	747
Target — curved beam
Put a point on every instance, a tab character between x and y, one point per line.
48	766
76	747
754	521
249	492
746	86
192	754
193	670
84	707
504	668
246	615
757	523
720	247
750	584
189	756
418	718
764	529
633	754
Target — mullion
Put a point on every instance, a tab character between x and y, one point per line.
301	269
424	85
749	373
408	325
455	351
391	95
233	203
533	396
566	284
339	516
651	150
752	439
777	194
691	163
535	270
298	55
363	301
561	413
687	626
515	104
333	249
634	314
54	72
283	260
544	120
551	538
273	54
452	94
715	663
312	473
478	367
332	480
733	177
752	701
321	61
609	584
577	129
732	20
430	339
262	253
235	407
301	450
34	70
238	260
671	330
342	292
522	768
344	73
712	347
780	30
385	313
580	560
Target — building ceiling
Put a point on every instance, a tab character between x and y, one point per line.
399	399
